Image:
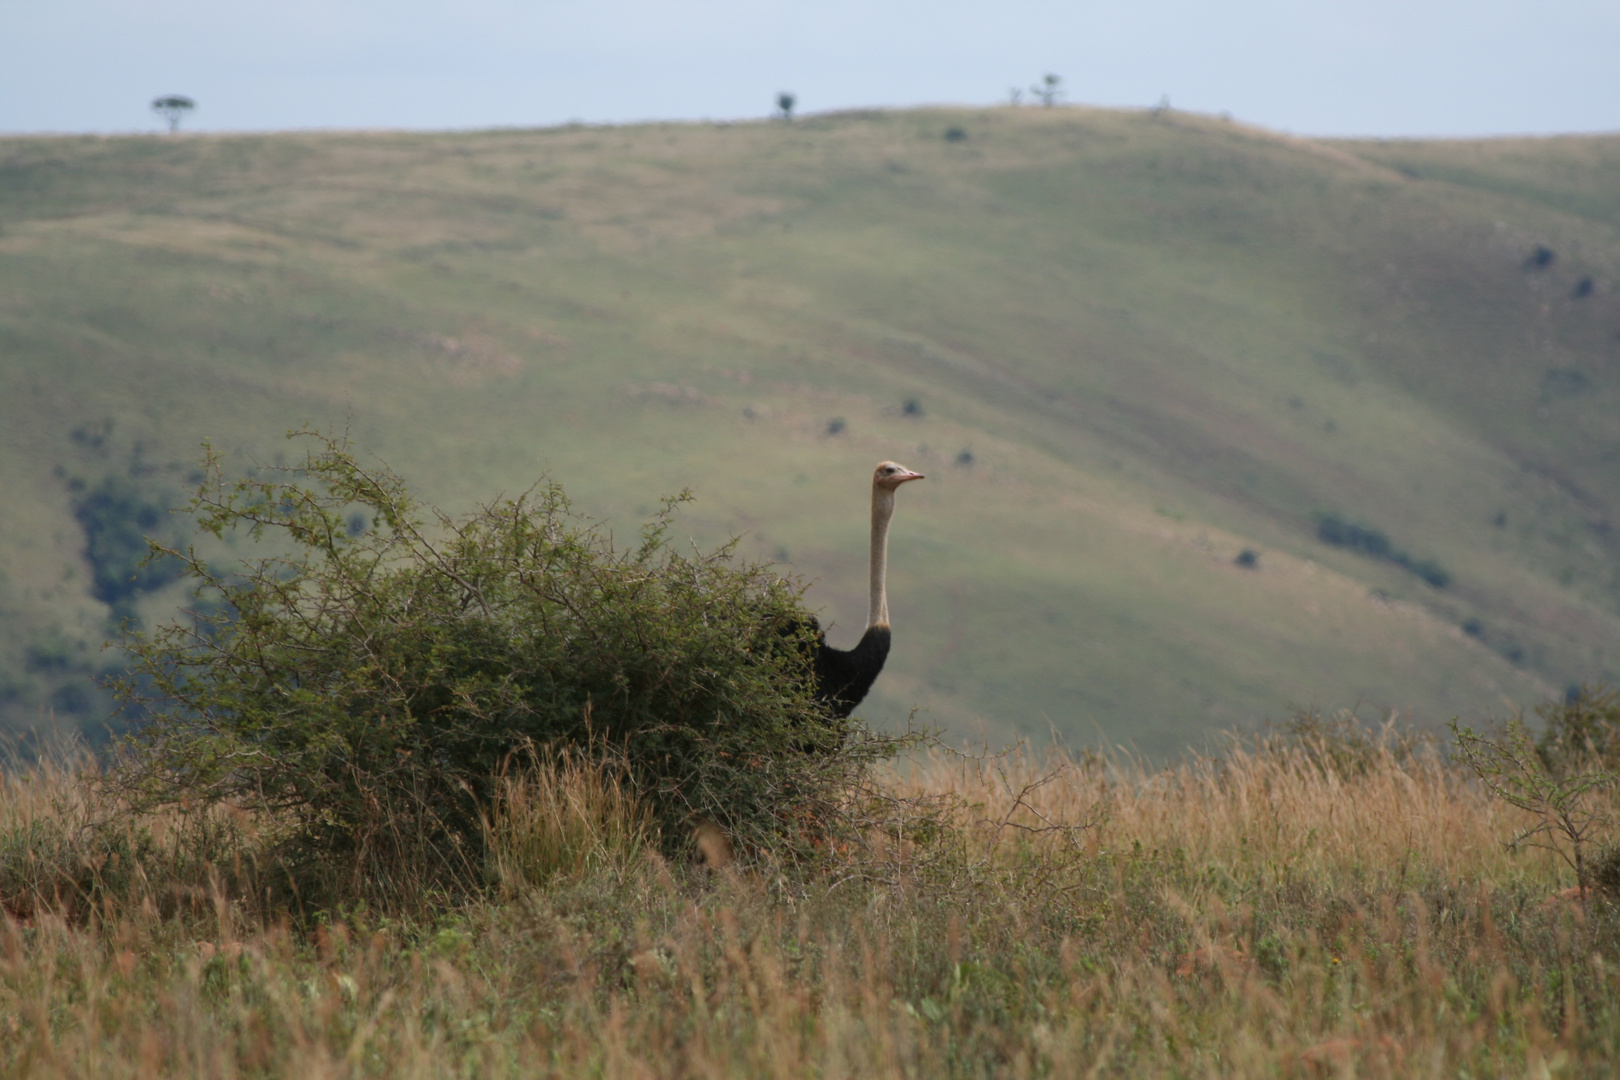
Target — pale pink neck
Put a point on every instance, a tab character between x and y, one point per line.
882	511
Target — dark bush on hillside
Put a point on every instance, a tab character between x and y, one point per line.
1335	530
1373	543
117	517
1429	571
365	689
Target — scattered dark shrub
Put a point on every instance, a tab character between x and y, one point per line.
1335	530
955	134
835	426
91	438
1375	544
911	407
366	689
1583	289
117	517
1248	558
73	698
51	653
1428	571
1541	258
965	458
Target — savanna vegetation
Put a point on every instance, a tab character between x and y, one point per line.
418	795
496	791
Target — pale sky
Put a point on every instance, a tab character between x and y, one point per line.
1348	67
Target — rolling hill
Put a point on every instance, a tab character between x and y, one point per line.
1126	347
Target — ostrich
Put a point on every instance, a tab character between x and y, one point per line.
843	676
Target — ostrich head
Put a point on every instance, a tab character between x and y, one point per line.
890	475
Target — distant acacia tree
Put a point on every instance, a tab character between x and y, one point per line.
1049	90
173	108
784	104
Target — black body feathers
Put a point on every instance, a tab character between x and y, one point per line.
841	677
844	676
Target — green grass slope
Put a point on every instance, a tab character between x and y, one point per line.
1134	345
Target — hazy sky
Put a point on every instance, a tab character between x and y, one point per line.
1347	67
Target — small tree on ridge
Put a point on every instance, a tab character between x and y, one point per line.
173	108
1049	90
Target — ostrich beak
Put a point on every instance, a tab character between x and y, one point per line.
909	476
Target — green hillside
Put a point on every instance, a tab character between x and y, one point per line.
1124	348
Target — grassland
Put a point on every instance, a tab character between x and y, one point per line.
1136	346
1322	906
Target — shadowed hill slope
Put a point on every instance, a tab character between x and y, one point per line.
1124	347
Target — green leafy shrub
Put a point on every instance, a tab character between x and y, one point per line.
367	688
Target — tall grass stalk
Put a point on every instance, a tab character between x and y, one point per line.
568	817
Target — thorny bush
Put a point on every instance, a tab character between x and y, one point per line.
365	684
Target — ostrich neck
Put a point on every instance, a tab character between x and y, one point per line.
882	511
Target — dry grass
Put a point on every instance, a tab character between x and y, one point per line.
1307	908
1313	807
568	818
